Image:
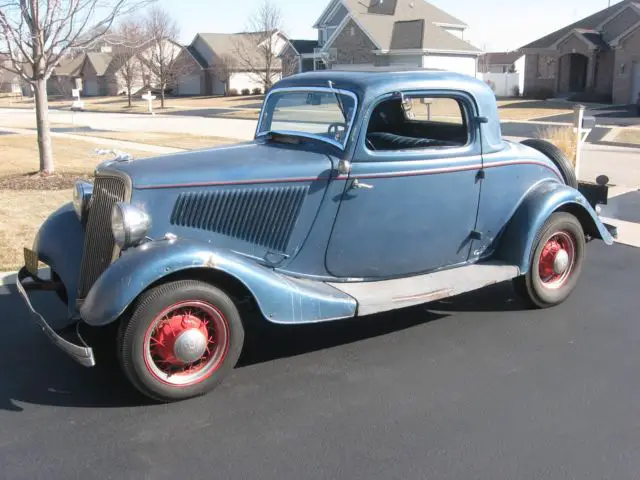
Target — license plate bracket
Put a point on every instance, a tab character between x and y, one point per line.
31	261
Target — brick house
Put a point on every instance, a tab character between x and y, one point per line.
361	34
598	55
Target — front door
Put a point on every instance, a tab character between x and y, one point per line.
411	201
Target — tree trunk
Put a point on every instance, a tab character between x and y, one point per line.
162	96
129	95
42	124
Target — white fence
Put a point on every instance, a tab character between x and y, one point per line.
505	83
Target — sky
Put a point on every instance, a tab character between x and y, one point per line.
494	25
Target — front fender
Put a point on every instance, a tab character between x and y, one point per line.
281	299
517	242
59	244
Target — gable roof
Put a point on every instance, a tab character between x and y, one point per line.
394	26
502	58
304	47
197	56
70	67
226	44
590	23
99	61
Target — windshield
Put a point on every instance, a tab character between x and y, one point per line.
320	113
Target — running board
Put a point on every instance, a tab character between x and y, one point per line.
383	296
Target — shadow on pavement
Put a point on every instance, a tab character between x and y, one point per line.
35	372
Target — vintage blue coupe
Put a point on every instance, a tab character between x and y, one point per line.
362	192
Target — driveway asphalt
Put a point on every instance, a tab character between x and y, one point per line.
472	388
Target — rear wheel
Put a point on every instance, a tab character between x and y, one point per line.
181	340
556	262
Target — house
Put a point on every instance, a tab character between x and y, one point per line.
305	53
90	72
361	34
502	62
598	56
180	66
504	71
11	82
223	69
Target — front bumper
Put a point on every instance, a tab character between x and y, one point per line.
82	353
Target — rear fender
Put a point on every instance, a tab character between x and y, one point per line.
516	243
280	298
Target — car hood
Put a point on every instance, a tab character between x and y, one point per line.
247	163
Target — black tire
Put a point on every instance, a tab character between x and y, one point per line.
531	286
556	155
136	331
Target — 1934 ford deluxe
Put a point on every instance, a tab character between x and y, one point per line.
361	193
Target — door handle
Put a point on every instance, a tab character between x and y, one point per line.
358	184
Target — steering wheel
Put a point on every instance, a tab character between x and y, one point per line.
334	129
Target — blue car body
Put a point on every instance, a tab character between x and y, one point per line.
288	220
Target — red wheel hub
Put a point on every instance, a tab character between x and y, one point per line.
557	260
170	331
548	257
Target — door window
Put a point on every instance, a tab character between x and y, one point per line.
417	123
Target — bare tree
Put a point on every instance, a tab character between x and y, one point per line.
257	52
164	56
36	34
224	67
127	41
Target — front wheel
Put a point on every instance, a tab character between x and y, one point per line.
556	262
181	340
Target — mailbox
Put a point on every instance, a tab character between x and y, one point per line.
588	123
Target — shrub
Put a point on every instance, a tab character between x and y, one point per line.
232	92
515	91
540	93
563	138
257	91
246	91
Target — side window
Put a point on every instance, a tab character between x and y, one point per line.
417	123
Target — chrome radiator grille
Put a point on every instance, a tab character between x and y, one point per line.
99	244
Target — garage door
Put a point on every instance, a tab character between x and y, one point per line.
189	85
91	88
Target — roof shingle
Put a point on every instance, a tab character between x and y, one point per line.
381	28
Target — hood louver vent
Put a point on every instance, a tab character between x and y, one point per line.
262	216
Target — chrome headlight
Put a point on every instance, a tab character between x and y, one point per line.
81	196
129	224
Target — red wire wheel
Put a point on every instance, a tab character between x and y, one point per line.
557	260
186	343
180	340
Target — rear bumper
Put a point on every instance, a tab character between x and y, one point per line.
81	352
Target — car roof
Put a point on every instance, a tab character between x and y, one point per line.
380	78
369	85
